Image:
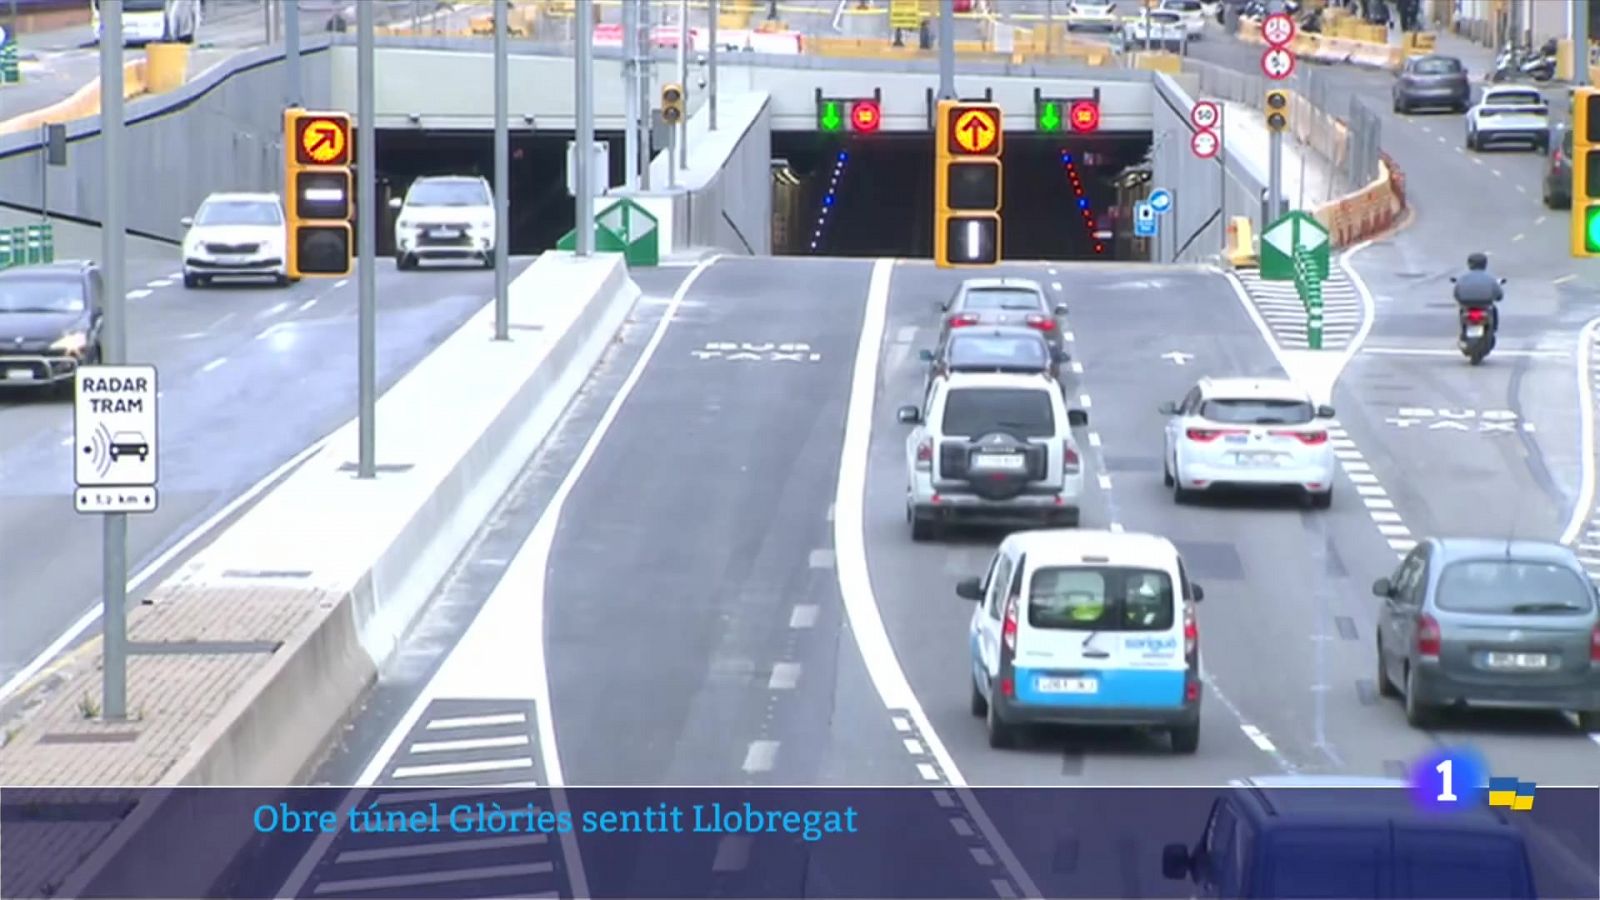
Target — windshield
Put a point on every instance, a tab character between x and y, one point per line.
1459	864
135	6
1258	412
1438	66
1019	299
31	294
1189	6
239	212
1325	862
1100	599
447	193
1165	17
1010	352
1511	586
1024	412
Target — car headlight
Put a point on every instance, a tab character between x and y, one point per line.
71	343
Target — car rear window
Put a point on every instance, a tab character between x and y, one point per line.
1438	66
1100	598
1024	412
977	351
1188	6
1257	412
1001	298
1325	862
1513	98
1504	586
1460	864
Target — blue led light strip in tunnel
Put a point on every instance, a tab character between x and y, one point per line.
829	198
1083	201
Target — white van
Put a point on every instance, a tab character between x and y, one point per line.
1086	628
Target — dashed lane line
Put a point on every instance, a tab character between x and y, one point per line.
139	293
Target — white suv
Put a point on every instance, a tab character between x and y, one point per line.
445	217
1248	432
992	447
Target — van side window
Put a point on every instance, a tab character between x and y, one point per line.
1218	859
1016	578
1101	598
1183	581
997	585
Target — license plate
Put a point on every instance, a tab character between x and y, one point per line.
1236	439
1474	331
445	233
1256	459
1011	462
19	374
1517	660
232	260
1067	685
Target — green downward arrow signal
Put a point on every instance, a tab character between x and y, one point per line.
832	118
1050	117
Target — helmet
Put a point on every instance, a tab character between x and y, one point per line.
1478	261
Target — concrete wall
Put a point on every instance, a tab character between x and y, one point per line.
222	131
1203	198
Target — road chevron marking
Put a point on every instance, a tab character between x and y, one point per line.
1279	304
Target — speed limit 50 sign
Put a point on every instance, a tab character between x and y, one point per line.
1205	114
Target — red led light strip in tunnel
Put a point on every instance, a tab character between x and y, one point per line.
1083	201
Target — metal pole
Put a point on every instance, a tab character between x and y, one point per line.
947	50
44	173
291	52
1274	175
114	350
1049	26
711	91
630	103
646	49
502	172
583	149
1580	43
266	21
1222	175
683	79
367	238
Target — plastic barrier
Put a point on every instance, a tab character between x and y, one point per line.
84	103
27	245
166	67
1241	250
1369	212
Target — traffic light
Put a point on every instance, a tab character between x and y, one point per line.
317	186
1278	110
1056	114
862	115
968	184
672	103
1085	116
865	116
1585	227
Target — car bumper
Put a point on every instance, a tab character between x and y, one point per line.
40	369
1437	687
1030	508
259	266
1529	135
1435	96
1021	710
467	247
1205	476
1086	24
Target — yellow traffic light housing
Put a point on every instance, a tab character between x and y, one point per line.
672	99
1278	110
317	192
1584	227
968	184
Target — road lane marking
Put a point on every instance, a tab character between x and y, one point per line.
1478	160
1259	738
928	772
66	441
803	616
1077	367
1519	236
1521	189
175	276
1582	508
273	310
1440	351
784	677
340	283
474	767
760	756
821	559
1540	220
215	364
1084	401
1564	279
1055	286
159	283
139	294
1105	481
308	304
488	743
475	722
1495	172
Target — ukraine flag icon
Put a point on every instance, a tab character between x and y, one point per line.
1509	793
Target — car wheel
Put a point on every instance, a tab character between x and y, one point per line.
976	703
1472	141
1180	494
281	280
1322	500
1589	720
405	262
1417	714
191	281
1069	519
1386	687
488	260
923	528
1399	108
1166	473
1186	739
1001	735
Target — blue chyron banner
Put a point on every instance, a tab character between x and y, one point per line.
794	842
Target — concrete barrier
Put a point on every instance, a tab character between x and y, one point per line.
166	67
347	563
84	103
1368	212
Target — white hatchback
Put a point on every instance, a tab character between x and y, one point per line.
1249	433
236	236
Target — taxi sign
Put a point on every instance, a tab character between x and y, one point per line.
975	130
322	139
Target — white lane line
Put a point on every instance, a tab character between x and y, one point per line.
1378	502
1388	529
900	723
1521	189
803	616
1068	336
1384	516
1402	545
215	364
273	310
855	579
1077	367
913	746
1564	279
927	771
1055	285
1356	466
906	334
340	283
1258	738
488	743
477	721
463	768
1094	439
1477	160
139	294
440	847
1495	172
1370	490
760	756
1540	220
66	441
785	677
1517	237
159	283
1584	503
1051	271
1361	477
308	304
1104	480
821	559
1084	401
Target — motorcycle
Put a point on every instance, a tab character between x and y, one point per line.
1478	325
1513	62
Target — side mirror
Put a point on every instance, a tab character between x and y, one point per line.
1452	279
1502	281
1175	862
187	221
1077	418
1168	409
909	415
1325	412
925	355
1060	355
969	589
1196	592
1061	309
1382	588
396	203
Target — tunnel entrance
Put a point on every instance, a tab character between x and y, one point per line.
541	210
872	195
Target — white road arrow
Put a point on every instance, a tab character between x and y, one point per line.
1178	356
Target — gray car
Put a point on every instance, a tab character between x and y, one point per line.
1019	302
1432	81
1491	623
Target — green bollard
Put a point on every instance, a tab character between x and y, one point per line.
35	251
48	238
6	257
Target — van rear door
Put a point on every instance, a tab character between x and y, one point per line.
1440	861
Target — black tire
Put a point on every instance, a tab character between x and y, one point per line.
1180	494
1589	720
1476	358
1472	142
976	704
1069	519
1386	687
1417	715
281	281
1323	500
192	281
1166	474
1001	735
1186	739
405	262
488	261
923	529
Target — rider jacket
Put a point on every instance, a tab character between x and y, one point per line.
1476	287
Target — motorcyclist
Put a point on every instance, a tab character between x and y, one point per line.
1476	288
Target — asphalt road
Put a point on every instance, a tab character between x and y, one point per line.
249	378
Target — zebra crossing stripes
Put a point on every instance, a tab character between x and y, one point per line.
1281	308
468	742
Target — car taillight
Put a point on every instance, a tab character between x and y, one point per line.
1427	636
1309	438
1008	631
1210	434
1069	457
1594	645
1474	316
1043	323
925	455
961	319
1191	632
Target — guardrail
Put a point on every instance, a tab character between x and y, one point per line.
27	245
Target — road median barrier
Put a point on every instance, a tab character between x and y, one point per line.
251	655
81	105
27	245
1241	249
1369	212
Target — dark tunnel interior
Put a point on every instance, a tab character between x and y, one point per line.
872	195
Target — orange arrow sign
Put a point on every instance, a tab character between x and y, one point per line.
323	140
975	130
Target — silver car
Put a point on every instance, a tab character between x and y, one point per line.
1492	623
1004	301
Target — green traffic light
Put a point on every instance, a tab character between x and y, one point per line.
1050	116
1591	229
832	118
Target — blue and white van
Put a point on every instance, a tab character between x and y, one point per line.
1084	627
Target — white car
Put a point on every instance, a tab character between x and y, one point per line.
236	235
1193	14
449	217
1086	628
1160	29
1248	432
1509	115
151	21
1091	16
995	448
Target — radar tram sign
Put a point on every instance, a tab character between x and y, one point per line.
115	439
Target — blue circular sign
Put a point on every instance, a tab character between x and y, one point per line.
1160	200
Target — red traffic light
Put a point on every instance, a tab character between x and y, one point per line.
865	115
1084	115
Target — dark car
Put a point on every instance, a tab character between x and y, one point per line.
1558	172
1003	349
1477	622
49	323
1003	301
1331	836
1432	81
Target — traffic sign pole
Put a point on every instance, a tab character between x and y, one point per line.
367	242
114	351
947	50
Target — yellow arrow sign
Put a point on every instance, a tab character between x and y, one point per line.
975	130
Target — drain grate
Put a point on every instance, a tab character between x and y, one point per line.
202	648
